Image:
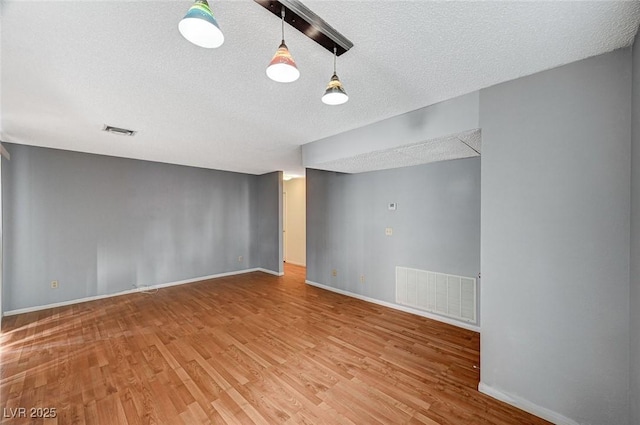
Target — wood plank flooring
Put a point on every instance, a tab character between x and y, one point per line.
248	349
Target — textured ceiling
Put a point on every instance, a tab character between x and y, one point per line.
463	145
69	67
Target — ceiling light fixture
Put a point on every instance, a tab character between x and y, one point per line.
335	93
307	22
282	67
200	27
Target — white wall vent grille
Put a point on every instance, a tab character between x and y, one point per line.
445	294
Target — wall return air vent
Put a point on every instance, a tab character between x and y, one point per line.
444	294
117	130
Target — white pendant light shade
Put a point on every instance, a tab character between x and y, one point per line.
282	67
200	27
335	93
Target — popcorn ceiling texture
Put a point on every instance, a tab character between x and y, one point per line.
463	145
68	68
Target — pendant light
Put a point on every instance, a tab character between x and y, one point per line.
282	67
335	94
200	27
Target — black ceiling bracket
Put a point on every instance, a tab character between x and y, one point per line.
304	20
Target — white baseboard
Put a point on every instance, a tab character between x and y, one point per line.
270	272
70	302
453	322
295	263
526	405
129	291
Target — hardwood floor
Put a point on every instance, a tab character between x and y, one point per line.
253	348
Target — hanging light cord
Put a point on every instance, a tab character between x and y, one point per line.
335	54
282	14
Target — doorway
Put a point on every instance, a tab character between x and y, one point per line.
294	222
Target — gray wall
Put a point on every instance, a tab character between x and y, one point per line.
635	240
100	225
436	226
555	238
267	206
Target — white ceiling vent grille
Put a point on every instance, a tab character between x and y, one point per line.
119	131
445	294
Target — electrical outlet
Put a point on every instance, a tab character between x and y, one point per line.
240	259
334	272
388	231
361	278
54	284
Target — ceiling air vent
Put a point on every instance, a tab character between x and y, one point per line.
117	130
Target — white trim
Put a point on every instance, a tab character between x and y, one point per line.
128	291
260	269
453	322
196	279
526	405
295	264
70	302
